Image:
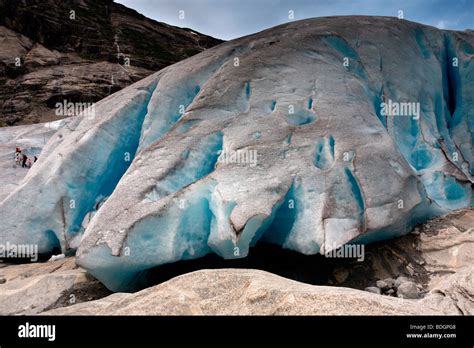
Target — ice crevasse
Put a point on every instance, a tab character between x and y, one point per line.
148	180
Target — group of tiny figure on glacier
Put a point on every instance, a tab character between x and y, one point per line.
23	160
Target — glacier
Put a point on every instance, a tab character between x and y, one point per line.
144	183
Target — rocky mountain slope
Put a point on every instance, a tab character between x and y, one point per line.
278	137
49	54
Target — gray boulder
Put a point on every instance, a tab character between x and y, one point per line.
390	282
408	290
400	280
382	285
373	289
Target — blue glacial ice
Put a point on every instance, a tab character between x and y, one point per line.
149	177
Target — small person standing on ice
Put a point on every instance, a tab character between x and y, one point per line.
23	161
17	156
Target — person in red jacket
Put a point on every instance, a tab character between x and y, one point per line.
18	157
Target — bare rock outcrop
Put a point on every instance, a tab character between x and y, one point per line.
80	51
33	288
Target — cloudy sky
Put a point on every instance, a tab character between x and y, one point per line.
229	19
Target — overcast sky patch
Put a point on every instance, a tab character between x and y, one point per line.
229	19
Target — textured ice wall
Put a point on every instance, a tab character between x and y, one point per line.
304	99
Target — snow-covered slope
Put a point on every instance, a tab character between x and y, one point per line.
279	136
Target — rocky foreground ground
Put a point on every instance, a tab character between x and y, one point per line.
436	257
